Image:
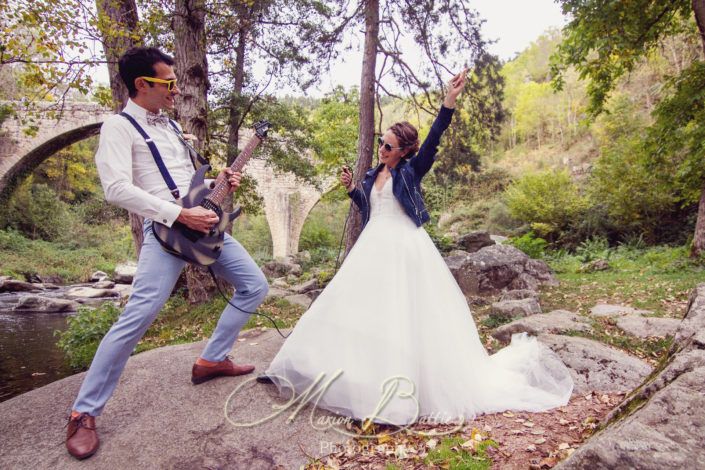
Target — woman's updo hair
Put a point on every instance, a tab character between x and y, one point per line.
408	137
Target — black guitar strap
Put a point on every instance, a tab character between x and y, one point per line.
157	156
197	160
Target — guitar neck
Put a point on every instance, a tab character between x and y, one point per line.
217	195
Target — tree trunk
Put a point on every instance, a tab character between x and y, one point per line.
699	236
365	146
119	34
192	105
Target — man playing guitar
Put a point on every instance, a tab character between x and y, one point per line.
132	179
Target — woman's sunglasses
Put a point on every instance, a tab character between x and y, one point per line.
387	147
170	84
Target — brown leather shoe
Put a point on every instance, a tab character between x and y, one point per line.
81	436
200	374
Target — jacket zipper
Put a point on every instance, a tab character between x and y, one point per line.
416	209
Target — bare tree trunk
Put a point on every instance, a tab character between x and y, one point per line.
699	236
118	35
191	68
367	112
236	101
192	106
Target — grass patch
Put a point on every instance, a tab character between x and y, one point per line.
452	455
99	247
659	279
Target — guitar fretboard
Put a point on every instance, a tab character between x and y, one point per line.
217	195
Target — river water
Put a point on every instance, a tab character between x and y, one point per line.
29	357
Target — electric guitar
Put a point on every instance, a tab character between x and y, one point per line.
199	248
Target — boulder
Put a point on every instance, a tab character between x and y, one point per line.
558	321
299	299
36	303
98	276
305	287
90	293
606	310
125	273
510	309
474	241
124	290
277	293
104	284
281	268
496	268
281	283
519	294
14	285
595	366
647	327
660	424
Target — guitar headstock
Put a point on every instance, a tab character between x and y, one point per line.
261	128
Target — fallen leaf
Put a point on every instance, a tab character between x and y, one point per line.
529	424
508	414
563	446
531	448
431	443
540	441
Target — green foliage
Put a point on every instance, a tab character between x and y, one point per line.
549	201
336	124
85	331
91	248
253	233
593	249
36	211
530	244
606	40
677	138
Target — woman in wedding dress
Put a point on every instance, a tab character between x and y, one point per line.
394	323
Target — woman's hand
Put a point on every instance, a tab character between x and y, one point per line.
455	86
346	178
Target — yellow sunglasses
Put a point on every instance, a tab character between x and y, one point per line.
170	84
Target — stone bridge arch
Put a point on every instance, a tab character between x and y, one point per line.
21	153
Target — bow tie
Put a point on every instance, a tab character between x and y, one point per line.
153	119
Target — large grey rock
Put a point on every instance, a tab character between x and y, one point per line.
35	303
281	268
558	321
98	276
660	424
299	299
595	366
514	309
305	287
125	273
277	293
474	241
14	285
90	293
519	294
607	310
157	419
104	284
496	268
647	327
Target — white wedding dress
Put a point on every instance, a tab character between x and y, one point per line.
395	310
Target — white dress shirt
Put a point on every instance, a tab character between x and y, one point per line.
128	173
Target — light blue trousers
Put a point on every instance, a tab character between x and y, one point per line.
157	272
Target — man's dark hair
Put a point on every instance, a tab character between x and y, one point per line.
139	62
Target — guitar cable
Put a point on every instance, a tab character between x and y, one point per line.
337	265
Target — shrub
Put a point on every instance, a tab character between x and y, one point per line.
549	201
36	211
530	244
84	333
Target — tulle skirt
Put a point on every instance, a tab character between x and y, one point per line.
391	338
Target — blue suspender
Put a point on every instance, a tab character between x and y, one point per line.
155	153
